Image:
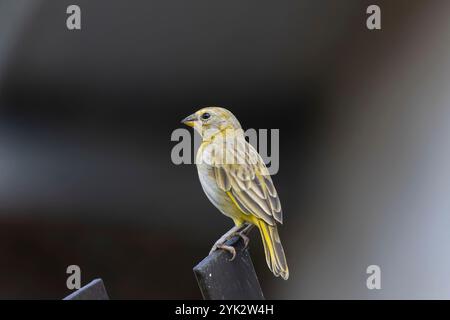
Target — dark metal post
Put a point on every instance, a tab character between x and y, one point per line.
221	279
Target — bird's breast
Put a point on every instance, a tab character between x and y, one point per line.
217	196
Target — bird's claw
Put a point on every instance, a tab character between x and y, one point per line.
235	231
230	249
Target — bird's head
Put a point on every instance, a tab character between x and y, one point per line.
211	120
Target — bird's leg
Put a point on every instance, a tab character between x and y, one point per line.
243	234
220	243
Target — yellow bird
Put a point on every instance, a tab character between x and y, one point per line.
236	180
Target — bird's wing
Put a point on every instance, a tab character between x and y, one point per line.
240	172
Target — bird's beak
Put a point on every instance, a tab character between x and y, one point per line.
190	120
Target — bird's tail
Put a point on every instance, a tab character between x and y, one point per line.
275	258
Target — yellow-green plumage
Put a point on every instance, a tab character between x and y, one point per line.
236	180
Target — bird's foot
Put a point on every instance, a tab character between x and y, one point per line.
230	249
224	238
220	245
243	235
235	231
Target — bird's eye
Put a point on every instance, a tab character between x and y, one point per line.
206	116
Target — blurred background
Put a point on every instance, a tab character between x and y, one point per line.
86	117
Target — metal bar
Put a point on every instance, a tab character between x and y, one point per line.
221	279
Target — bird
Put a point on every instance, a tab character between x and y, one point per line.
236	181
